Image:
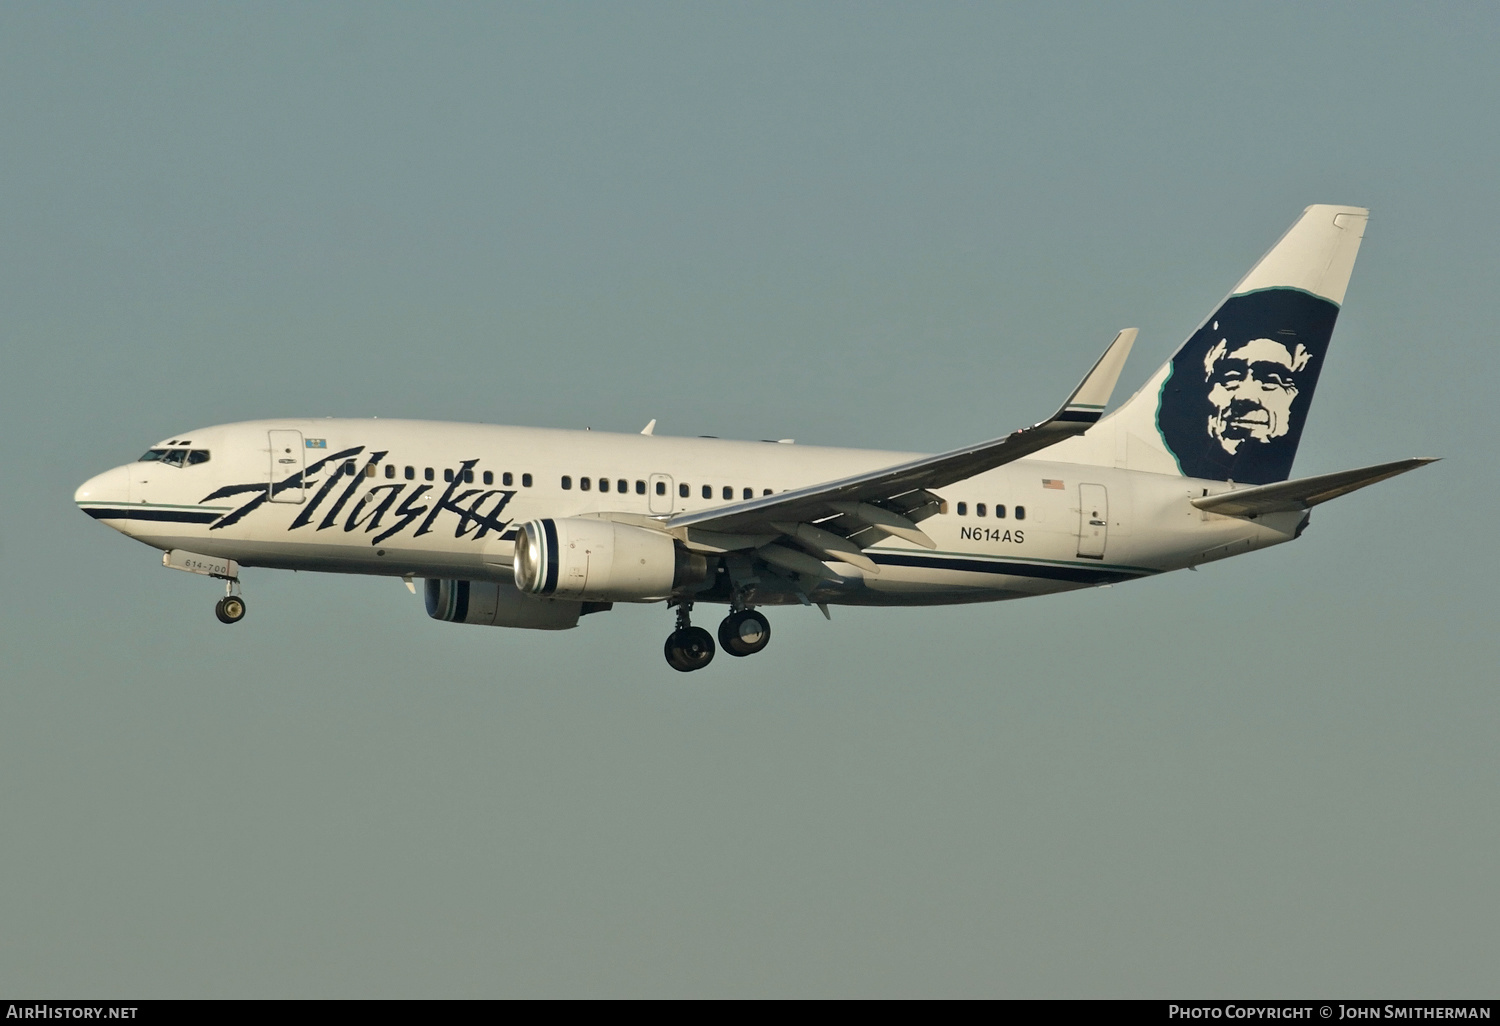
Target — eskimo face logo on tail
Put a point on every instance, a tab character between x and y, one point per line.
1252	390
1235	402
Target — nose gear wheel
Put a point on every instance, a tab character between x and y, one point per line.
230	609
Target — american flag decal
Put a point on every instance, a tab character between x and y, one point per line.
1048	482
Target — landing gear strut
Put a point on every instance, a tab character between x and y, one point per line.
230	608
688	648
744	632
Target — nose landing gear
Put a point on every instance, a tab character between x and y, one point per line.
230	608
744	632
688	648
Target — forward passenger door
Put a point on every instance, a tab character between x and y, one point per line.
288	460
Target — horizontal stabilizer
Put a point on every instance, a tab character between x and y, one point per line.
1304	492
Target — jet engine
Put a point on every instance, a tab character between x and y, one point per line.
498	604
600	560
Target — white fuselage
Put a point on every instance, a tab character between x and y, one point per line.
441	500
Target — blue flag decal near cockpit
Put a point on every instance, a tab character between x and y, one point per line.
1236	399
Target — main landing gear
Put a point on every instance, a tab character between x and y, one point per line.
230	608
743	632
688	648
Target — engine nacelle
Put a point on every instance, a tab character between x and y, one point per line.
498	604
600	560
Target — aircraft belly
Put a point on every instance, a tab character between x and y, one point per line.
313	556
918	580
924	598
938	580
170	536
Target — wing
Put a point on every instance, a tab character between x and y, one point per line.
1304	492
858	511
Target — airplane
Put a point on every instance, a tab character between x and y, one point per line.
536	528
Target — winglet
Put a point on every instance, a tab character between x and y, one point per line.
649	428
1088	400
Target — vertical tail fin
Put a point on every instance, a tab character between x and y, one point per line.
1231	402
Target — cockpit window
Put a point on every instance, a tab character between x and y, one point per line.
174	457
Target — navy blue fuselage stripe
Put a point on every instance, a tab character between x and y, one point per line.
1077	574
177	516
550	529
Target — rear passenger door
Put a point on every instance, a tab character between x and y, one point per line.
1093	520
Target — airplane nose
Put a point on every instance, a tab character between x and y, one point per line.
110	486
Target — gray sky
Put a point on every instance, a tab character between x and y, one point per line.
897	226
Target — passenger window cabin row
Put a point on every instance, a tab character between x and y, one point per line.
980	509
410	473
621	485
684	490
585	484
181	457
604	484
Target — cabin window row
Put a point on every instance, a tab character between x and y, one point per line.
684	490
507	479
727	492
980	510
621	485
